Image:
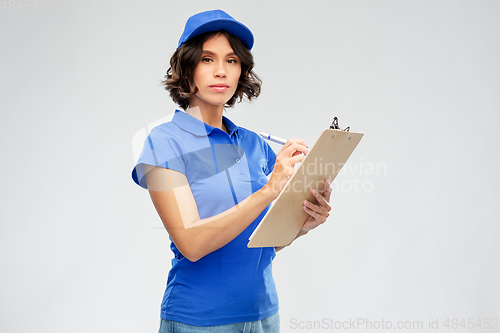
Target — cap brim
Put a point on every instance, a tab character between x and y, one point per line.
233	27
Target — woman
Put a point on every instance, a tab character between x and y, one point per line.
208	181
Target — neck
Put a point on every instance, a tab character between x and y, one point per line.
209	114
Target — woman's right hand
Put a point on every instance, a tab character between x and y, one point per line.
292	152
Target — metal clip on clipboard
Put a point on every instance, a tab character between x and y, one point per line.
335	125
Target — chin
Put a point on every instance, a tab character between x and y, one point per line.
216	102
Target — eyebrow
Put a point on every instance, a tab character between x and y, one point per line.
227	55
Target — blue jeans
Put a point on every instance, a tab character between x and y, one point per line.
270	324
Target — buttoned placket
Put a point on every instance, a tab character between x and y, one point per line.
219	136
232	142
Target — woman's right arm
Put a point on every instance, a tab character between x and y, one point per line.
195	237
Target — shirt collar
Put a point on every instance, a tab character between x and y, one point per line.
197	127
231	127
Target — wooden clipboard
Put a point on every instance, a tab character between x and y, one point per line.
324	160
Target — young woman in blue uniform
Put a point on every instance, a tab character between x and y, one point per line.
208	181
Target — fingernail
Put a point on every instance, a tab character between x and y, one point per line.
315	192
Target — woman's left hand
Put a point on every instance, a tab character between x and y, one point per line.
318	213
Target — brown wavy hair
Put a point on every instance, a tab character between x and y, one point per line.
179	77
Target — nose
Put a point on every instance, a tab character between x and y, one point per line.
220	70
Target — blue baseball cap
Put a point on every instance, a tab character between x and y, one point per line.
215	20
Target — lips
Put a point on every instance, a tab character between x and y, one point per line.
219	87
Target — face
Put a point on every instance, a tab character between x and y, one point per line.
217	73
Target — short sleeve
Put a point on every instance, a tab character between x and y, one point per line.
160	149
271	158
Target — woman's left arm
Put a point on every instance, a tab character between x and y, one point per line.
318	213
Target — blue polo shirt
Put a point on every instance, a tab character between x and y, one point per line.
234	283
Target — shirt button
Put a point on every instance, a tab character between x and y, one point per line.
237	160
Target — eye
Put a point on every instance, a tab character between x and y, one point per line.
206	59
232	61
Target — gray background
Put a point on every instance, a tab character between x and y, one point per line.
414	230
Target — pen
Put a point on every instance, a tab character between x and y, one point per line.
272	138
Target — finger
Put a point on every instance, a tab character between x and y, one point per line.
296	159
316	208
294	147
321	200
328	190
318	217
291	141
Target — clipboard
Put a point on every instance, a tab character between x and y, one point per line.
325	159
